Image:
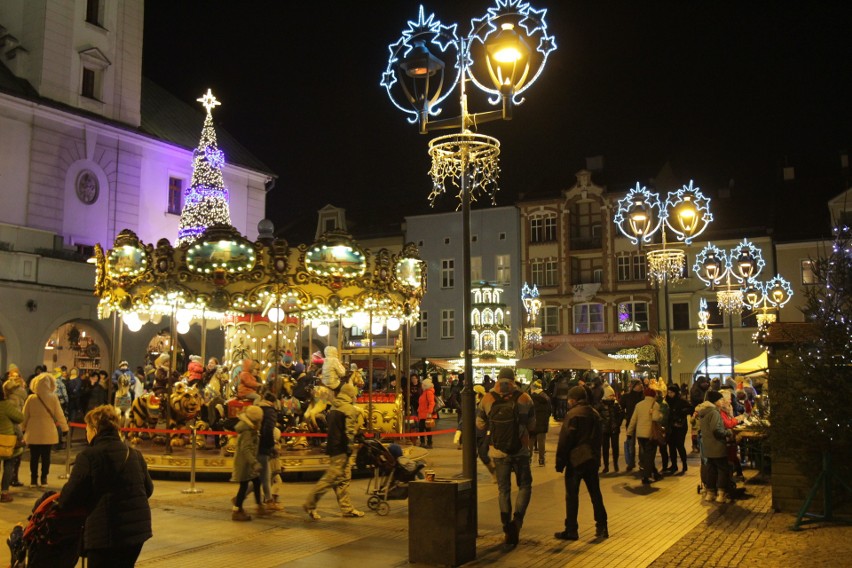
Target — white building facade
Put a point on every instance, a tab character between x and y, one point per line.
88	148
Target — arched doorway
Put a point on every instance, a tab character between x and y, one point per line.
718	366
77	343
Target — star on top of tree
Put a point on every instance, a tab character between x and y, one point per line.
208	101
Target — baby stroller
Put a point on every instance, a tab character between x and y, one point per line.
52	538
391	473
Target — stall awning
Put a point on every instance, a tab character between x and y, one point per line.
565	356
757	365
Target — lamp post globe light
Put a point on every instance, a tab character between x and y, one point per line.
502	56
730	272
641	215
765	298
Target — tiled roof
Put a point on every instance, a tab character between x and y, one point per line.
168	118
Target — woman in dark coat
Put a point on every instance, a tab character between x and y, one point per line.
679	413
111	482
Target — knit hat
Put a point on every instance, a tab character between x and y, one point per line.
254	413
317	358
713	396
57	372
427	384
73	374
506	373
349	390
577	393
288	357
299	368
195	358
674	388
536	385
650	392
353	366
123	364
479	389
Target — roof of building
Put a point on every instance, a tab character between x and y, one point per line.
164	117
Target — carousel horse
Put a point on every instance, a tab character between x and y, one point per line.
123	400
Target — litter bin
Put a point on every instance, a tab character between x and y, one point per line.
440	522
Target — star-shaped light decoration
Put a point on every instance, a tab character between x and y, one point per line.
208	101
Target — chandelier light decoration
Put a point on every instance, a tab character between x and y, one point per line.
765	298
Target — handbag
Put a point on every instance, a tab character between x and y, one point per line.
439	404
658	431
8	444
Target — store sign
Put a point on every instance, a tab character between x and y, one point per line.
228	256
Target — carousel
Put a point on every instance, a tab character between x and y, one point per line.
270	299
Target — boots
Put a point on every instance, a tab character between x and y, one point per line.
240	515
273	504
541	461
5	497
510	533
723	497
262	511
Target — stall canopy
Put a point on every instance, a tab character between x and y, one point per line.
565	357
757	365
614	364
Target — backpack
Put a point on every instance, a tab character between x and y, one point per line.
504	422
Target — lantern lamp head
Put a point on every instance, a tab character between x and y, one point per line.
687	212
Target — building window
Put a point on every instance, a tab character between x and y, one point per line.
448	273
716	318
448	324
543	229
550	320
175	195
94	12
503	275
624	263
639	267
89	83
475	268
633	316
551	273
586	270
588	318
421	329
808	272
585	226
680	315
537	272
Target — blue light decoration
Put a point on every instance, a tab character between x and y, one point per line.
206	199
639	215
711	265
456	53
745	262
687	212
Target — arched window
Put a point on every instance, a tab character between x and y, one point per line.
487	317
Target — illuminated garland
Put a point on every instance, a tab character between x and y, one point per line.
206	199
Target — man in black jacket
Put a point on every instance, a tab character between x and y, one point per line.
629	400
579	455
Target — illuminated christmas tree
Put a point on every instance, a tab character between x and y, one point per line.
206	199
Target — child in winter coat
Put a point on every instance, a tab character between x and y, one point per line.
332	370
248	385
195	370
246	465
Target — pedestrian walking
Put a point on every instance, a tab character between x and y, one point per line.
110	480
42	416
640	428
10	418
578	455
612	416
543	409
629	400
714	451
508	414
344	424
246	465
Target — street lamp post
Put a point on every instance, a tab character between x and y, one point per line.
641	214
739	267
502	56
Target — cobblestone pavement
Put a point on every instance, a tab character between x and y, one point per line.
663	525
750	533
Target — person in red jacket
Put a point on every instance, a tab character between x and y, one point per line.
195	371
425	409
248	386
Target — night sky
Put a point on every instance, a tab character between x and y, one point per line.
725	93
